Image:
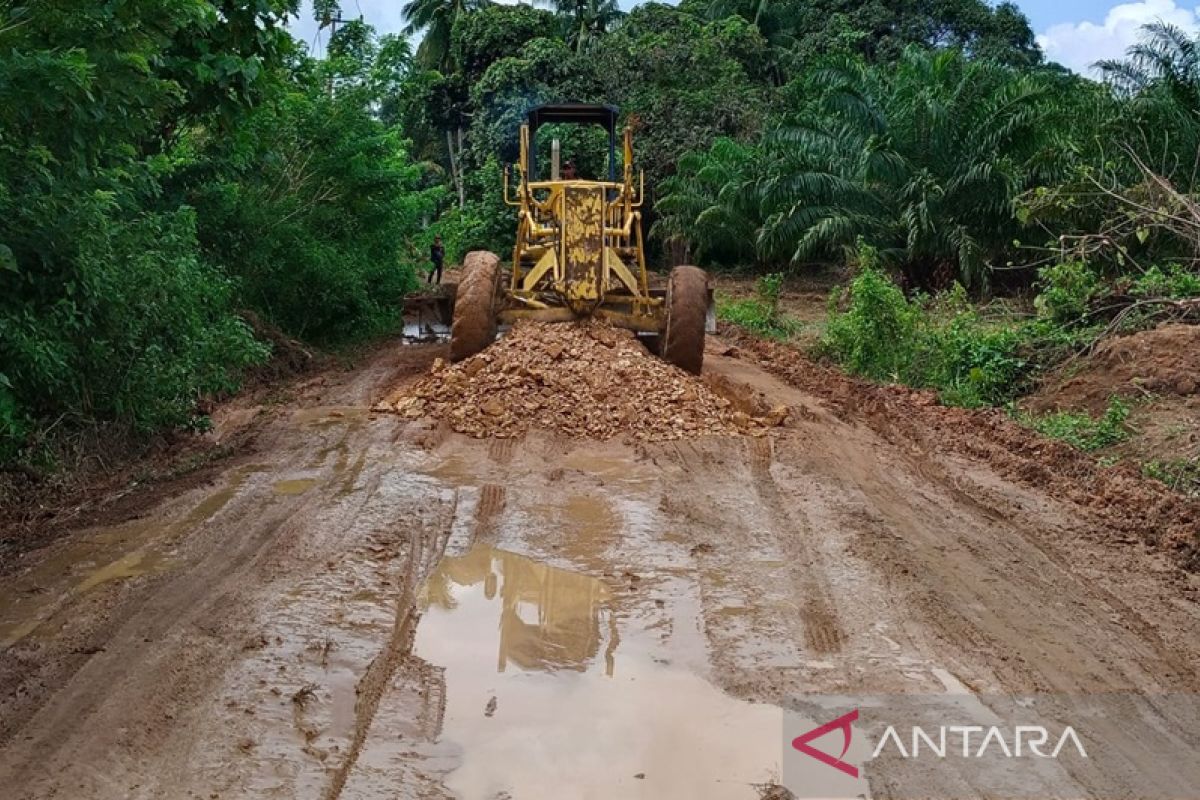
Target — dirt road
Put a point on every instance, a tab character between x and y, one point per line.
367	607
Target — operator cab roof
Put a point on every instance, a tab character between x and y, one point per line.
577	113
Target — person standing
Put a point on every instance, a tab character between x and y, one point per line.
437	254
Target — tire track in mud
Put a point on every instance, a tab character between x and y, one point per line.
184	600
376	680
823	631
396	655
492	498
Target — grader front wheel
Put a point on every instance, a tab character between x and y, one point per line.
687	304
474	323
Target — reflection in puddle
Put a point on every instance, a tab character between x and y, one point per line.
544	699
426	331
618	470
549	618
455	469
131	565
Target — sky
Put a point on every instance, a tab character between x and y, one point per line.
1074	33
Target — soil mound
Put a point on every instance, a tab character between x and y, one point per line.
584	380
1162	361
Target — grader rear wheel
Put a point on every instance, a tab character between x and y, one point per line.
687	304
474	324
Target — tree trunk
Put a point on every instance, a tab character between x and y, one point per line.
456	164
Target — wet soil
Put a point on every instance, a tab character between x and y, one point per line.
1162	362
364	606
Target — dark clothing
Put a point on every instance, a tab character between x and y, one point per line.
437	254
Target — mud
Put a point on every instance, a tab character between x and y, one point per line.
1164	361
1117	500
437	616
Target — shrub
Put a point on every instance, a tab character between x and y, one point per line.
1172	281
143	330
317	210
944	345
1081	431
761	314
1182	475
1066	290
875	337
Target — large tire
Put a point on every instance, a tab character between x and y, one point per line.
474	325
687	305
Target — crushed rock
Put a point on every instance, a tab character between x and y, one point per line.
585	380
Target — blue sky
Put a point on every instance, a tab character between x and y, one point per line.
1072	32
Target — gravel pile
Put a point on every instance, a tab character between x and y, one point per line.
585	380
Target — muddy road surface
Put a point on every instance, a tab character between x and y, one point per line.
364	606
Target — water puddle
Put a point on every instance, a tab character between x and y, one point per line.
105	555
294	487
552	691
456	470
609	469
131	565
328	416
584	528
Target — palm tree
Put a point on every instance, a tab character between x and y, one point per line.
1165	56
436	18
923	160
709	208
586	20
1160	78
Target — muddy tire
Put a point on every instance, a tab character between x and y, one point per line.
687	304
474	321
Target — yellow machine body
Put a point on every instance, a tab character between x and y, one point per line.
579	250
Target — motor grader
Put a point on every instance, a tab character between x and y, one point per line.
579	253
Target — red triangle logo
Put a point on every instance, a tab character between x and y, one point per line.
843	723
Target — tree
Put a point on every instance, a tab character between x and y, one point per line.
1160	80
881	31
923	161
108	311
436	18
709	210
586	21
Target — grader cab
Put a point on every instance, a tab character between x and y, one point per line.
580	253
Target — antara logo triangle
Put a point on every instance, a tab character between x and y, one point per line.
843	723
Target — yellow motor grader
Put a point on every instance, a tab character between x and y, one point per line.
579	253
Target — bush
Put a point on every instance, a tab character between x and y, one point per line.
875	337
144	329
761	314
945	345
1173	281
317	210
1066	291
1182	475
1081	431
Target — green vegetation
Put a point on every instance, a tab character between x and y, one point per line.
167	167
1082	430
1181	474
941	343
172	170
760	314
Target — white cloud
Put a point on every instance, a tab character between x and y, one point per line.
1079	45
